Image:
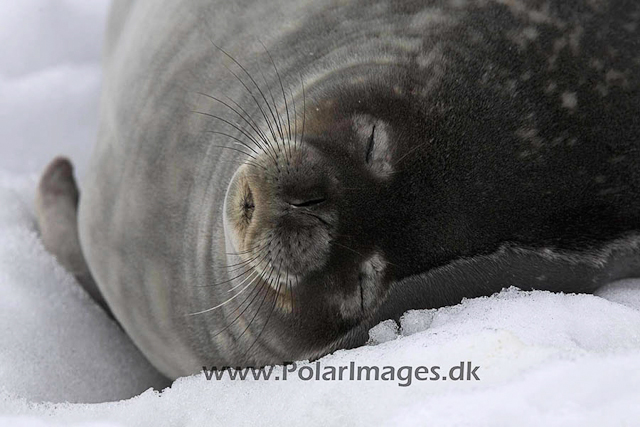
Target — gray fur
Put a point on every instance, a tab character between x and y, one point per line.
438	223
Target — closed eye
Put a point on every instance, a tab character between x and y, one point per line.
370	145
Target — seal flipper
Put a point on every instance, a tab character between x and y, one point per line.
57	215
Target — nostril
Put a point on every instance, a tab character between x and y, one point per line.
307	203
247	204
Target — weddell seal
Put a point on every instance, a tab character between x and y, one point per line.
273	178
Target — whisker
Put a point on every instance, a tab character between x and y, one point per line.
254	268
275	300
250	78
281	86
257	247
267	121
221	304
234	149
249	163
288	284
293	309
261	303
304	109
246	162
236	140
262	256
260	288
250	249
411	151
233	297
227	281
273	100
239	115
295	122
348	248
242	264
262	134
228	325
230	124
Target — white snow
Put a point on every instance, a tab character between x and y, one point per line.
544	359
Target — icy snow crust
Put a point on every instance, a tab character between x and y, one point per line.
544	359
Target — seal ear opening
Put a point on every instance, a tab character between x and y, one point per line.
373	134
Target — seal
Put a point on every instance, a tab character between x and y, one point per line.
271	179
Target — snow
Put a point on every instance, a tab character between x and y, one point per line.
56	343
49	80
544	359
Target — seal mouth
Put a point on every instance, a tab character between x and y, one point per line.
309	202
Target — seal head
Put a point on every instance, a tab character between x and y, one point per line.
305	219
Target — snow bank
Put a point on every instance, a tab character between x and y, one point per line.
542	358
57	345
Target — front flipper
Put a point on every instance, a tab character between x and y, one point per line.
57	215
524	268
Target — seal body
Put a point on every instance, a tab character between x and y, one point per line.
272	178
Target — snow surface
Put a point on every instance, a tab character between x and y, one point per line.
545	359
